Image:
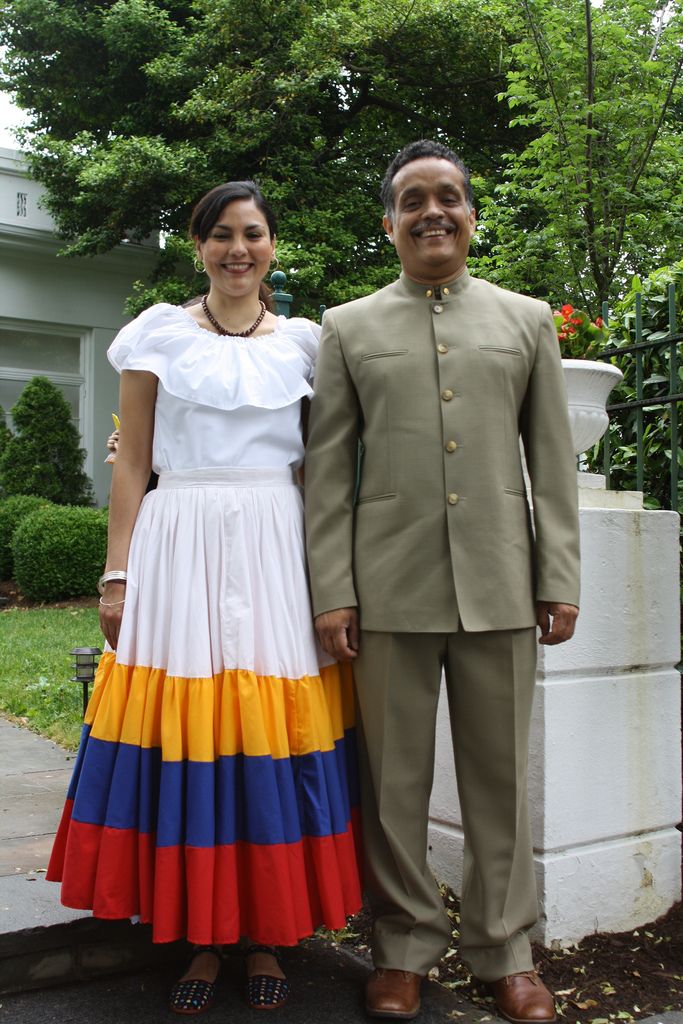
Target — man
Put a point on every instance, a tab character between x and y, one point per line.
425	560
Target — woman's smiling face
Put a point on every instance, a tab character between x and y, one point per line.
238	249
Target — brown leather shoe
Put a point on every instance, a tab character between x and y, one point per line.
523	997
390	993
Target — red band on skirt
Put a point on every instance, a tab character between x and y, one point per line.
197	892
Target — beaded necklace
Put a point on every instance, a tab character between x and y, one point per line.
233	334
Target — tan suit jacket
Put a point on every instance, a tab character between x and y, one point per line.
438	391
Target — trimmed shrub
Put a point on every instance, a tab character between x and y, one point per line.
43	456
59	552
12	512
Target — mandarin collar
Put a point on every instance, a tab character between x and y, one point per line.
446	289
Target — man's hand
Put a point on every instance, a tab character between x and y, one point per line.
563	621
338	632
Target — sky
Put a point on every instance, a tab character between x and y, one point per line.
10	117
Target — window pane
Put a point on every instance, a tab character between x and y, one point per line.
44	353
10	391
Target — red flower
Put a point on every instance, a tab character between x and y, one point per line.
599	322
567	311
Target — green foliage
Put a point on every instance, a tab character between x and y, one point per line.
579	336
35	668
12	511
311	99
655	325
5	432
43	456
59	552
593	196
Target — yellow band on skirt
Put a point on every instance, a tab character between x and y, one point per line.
234	712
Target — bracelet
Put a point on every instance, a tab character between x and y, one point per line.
111	604
117	575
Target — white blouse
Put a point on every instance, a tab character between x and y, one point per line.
221	401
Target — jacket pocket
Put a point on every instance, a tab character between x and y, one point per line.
383	355
376	497
500	348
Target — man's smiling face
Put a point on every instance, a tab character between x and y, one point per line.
432	223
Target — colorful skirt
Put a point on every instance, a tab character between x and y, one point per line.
215	791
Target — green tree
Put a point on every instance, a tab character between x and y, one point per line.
43	456
138	106
594	196
5	432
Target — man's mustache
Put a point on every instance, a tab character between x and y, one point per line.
430	225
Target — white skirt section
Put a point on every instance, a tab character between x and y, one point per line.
217	577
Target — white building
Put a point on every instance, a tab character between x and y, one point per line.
58	315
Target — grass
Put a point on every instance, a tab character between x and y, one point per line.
36	666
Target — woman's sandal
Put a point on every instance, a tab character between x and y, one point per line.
264	991
195	994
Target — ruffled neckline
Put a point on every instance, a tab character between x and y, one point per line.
268	371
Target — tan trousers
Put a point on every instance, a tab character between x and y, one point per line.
490	681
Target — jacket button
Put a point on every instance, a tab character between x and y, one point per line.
447	395
437	308
452	499
442	349
451	446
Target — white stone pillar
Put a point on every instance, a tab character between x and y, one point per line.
605	756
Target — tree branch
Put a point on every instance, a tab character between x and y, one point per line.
648	149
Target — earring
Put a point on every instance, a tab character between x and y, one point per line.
276	264
198	265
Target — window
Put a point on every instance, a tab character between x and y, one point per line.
27	352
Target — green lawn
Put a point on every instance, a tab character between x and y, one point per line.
35	668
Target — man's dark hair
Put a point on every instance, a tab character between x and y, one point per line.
417	151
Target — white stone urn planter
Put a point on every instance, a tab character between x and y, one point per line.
589	383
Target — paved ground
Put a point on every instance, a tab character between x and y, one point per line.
59	965
325	988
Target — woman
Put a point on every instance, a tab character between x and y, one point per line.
214	791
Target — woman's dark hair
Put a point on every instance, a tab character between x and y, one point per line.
209	208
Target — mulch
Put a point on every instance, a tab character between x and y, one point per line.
605	978
10	597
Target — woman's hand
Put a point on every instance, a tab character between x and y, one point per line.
111	610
